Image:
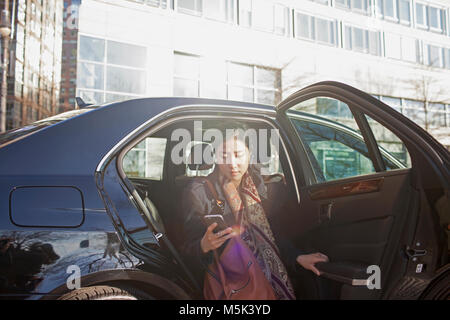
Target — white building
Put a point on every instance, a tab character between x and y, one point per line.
263	50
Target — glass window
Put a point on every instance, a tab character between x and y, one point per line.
325	31
393	151
240	93
389	9
333	108
253	83
89	96
113	97
222	10
335	153
405	10
281	20
190	6
186	75
360	5
436	115
125	54
434	56
185	88
314	28
435	18
90	75
304	28
92	49
240	74
187	65
362	40
395	103
146	159
155	3
125	80
421	14
342	3
447	58
415	110
245	13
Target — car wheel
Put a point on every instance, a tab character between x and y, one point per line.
106	293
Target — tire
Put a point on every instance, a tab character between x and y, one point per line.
105	292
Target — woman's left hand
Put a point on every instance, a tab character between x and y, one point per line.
308	261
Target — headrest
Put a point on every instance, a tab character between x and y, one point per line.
204	153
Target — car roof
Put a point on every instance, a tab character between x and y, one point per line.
76	145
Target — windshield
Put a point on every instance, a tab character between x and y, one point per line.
22	132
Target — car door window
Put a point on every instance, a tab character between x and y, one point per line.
332	139
334	154
394	152
335	145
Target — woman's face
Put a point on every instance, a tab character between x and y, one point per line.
233	159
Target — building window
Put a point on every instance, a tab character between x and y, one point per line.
435	16
430	18
433	56
186	82
326	2
404	11
190	6
362	40
400	47
447	58
421	15
415	110
317	29
245	13
361	6
281	17
222	10
154	3
436	115
395	103
253	83
387	9
110	69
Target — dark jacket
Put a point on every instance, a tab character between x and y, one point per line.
198	201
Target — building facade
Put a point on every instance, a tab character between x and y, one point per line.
35	60
263	50
69	55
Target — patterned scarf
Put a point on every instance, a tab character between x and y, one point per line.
257	234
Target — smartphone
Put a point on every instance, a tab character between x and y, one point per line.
209	219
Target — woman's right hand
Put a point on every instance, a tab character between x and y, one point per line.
212	241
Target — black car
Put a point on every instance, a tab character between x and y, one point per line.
89	199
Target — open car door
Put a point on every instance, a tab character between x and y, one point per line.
374	192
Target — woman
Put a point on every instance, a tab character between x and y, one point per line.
247	200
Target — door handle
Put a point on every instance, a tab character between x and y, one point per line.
325	212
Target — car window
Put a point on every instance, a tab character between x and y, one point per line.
391	147
332	138
146	159
334	154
